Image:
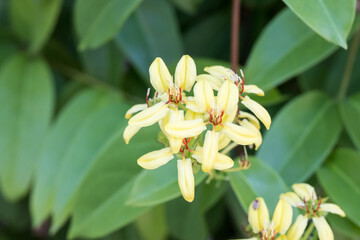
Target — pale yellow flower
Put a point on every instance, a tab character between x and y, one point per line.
186	179
297	229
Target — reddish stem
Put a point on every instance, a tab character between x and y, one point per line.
235	27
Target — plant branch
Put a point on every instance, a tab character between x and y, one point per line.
235	29
308	232
345	81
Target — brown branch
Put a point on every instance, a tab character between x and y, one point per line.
235	28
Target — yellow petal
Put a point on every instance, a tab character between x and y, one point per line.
210	149
191	115
134	109
291	198
282	216
258	215
282	237
150	115
228	96
214	82
253	89
259	111
223	141
222	161
192	105
185	129
250	126
323	228
155	159
332	208
251	118
186	179
298	228
304	191
204	96
185	73
175	143
129	132
160	77
220	72
239	134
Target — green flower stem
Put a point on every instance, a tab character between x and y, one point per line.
345	81
308	231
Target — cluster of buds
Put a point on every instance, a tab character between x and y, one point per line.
198	127
304	198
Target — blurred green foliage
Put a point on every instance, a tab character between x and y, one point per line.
69	70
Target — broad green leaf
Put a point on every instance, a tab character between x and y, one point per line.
101	204
301	136
344	226
152	31
153	224
350	114
69	125
260	180
158	186
33	20
285	48
97	22
328	18
26	88
96	134
341	181
188	6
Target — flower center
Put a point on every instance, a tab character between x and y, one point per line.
175	93
216	114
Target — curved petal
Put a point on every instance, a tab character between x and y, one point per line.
191	115
186	179
282	216
134	109
304	191
323	228
186	129
155	159
210	149
239	134
258	215
250	117
259	111
175	143
160	77
222	161
228	96
220	72
332	208
214	82
291	198
298	228
250	126
150	115
185	73
204	96
129	132
253	89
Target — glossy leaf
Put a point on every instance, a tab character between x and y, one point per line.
68	126
341	181
96	213
26	88
285	48
344	226
152	31
97	22
33	21
158	186
350	114
92	139
301	136
328	18
260	180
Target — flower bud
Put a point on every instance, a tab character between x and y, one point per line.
160	77
204	95
185	73
186	179
228	96
282	216
210	150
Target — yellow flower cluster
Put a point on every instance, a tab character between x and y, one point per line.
304	198
197	127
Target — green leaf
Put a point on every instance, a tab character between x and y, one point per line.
301	136
188	6
260	180
69	125
350	114
97	22
329	19
26	88
91	140
341	180
152	31
101	204
34	20
158	186
344	226
153	224
285	48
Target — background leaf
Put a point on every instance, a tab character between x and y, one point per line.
146	36
100	212
301	136
285	48
26	88
260	180
340	178
33	20
96	21
329	19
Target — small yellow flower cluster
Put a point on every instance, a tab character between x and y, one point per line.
303	197
185	119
